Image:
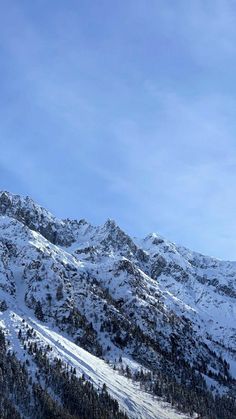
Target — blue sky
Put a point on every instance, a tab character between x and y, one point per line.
124	110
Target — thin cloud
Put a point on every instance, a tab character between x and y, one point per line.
130	117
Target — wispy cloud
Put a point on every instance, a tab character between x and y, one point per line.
124	110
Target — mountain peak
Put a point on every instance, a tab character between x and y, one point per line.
110	224
12	202
37	218
6	199
148	301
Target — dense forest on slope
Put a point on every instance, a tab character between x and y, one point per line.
21	396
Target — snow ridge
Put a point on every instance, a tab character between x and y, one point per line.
97	295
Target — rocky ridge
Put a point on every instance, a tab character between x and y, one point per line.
150	302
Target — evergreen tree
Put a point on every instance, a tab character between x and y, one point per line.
38	311
59	293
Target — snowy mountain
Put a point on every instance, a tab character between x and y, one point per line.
153	321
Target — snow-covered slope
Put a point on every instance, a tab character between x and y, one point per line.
137	403
206	284
135	304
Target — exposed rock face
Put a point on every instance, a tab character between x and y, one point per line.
36	218
159	303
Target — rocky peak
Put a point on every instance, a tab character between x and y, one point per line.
25	210
114	237
5	201
110	225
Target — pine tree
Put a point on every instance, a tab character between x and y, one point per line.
59	293
38	311
19	334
